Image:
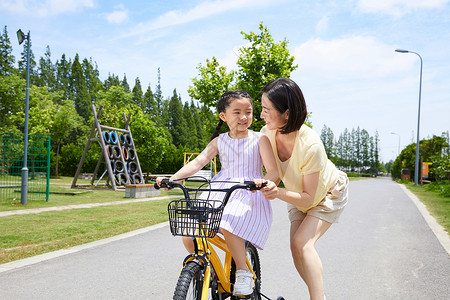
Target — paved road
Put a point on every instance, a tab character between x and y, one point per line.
381	249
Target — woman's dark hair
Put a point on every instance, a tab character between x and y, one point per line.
224	102
285	94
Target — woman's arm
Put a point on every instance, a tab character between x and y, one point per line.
265	150
304	199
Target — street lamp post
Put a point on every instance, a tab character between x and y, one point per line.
398	141
24	192
416	171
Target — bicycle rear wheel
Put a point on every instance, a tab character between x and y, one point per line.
189	285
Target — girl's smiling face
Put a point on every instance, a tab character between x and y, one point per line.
238	116
274	119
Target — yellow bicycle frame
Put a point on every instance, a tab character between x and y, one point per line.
213	260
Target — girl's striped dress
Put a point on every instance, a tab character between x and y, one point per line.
247	215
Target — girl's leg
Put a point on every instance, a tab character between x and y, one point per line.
244	284
236	246
304	235
188	244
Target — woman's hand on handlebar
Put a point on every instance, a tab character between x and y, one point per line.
270	191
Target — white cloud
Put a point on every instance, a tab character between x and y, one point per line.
119	16
201	11
45	8
398	7
356	56
322	25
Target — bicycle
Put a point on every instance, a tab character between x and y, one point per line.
203	276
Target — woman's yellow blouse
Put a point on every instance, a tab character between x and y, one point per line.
308	156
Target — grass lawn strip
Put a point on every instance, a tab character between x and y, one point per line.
77	206
23	236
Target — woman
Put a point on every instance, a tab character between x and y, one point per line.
315	191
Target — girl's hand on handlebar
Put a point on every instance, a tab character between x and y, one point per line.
270	191
159	180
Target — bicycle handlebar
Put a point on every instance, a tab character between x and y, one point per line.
247	184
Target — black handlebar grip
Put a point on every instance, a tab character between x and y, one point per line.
252	186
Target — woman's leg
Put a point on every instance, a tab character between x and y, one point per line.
236	246
304	235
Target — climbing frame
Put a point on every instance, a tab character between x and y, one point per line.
117	150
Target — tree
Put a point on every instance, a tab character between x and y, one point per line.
327	138
47	71
190	134
79	90
92	77
138	96
7	60
66	121
124	84
115	96
63	71
177	123
12	93
202	138
429	149
149	106
213	81
23	65
112	80
260	63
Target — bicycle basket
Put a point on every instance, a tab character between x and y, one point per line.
194	218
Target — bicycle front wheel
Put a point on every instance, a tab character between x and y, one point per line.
189	285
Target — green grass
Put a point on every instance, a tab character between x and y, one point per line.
23	236
85	195
436	203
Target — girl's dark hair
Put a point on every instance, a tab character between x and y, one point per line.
285	94
224	102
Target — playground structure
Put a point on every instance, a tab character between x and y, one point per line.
11	164
117	150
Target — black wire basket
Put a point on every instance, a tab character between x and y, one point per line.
194	217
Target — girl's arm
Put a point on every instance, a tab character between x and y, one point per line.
265	150
304	199
197	164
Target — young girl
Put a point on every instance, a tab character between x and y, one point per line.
242	153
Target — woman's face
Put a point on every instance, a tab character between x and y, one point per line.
274	120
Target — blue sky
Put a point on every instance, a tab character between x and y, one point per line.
347	67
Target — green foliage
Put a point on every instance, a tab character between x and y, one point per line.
7	60
12	93
354	151
356	174
213	82
442	188
261	62
258	64
433	150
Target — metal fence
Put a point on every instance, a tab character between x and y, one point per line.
11	164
